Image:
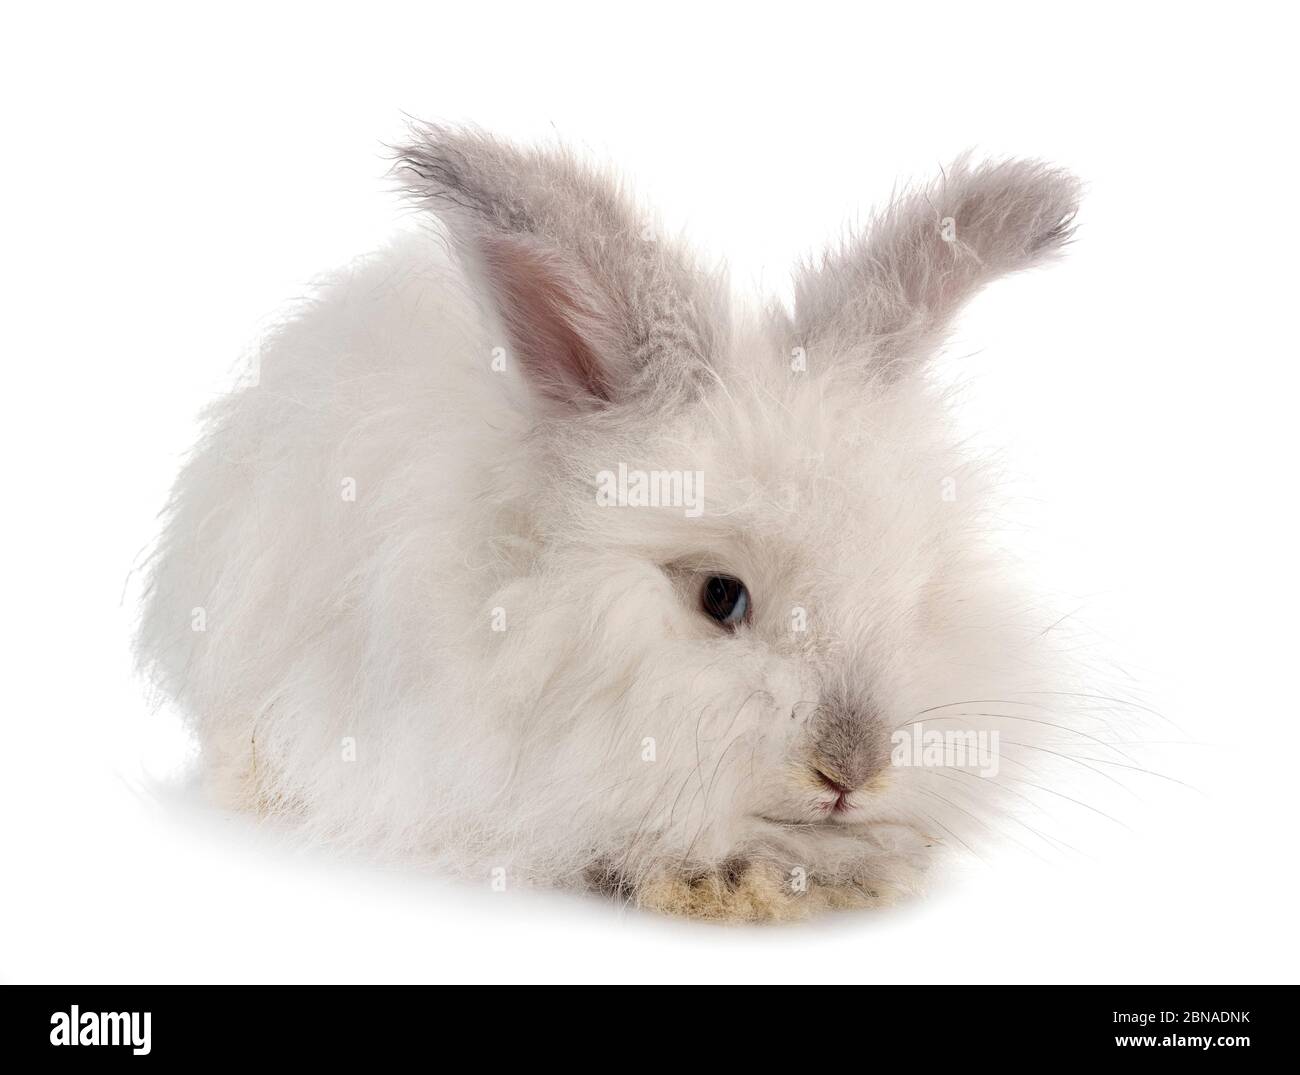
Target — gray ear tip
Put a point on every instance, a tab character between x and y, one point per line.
424	144
435	151
1027	205
414	162
436	135
445	167
1056	236
1060	195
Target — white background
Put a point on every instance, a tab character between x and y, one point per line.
171	177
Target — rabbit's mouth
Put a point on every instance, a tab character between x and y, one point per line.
821	801
835	812
840	797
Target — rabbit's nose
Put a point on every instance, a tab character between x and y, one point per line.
850	746
843	773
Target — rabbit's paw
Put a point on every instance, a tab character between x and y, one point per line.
736	891
756	891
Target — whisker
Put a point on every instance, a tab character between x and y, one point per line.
949	831
1114	701
1032	720
1077	802
983	824
1077	761
1046	837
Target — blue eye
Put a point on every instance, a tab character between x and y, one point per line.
725	599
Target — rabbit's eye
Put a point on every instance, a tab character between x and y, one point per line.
725	599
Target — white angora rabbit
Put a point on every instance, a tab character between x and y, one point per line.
544	563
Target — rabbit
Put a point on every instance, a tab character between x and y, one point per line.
530	555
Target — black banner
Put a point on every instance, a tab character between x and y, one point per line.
163	1024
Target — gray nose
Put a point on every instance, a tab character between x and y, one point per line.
849	742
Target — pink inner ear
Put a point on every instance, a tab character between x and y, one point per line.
553	329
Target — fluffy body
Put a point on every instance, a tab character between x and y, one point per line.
423	635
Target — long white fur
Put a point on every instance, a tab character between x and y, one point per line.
348	678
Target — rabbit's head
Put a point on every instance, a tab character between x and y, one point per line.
753	550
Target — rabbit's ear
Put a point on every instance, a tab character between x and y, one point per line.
597	308
892	293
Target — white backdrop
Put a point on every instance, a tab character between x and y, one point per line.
170	178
